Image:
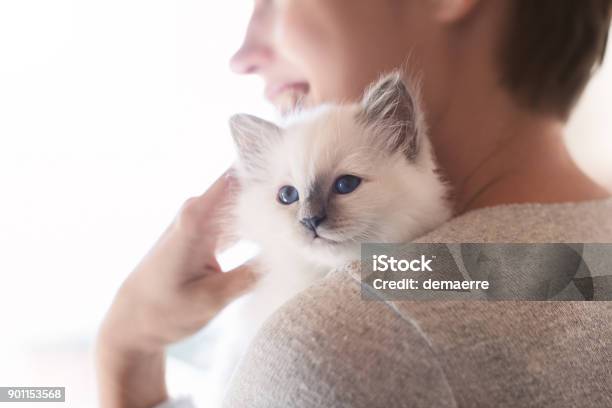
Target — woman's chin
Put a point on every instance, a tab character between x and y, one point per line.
291	101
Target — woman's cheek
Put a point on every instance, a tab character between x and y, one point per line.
303	38
299	23
338	45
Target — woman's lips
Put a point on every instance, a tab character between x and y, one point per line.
287	96
273	91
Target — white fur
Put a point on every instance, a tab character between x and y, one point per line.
399	199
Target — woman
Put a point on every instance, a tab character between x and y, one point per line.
499	81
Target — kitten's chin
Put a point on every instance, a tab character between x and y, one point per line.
320	240
329	252
323	241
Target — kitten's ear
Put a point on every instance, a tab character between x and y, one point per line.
253	137
392	108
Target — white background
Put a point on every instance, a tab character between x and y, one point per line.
112	113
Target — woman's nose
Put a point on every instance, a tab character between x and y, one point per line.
250	58
256	52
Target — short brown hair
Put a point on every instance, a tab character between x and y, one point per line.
551	49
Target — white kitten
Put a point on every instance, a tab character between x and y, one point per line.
311	192
337	176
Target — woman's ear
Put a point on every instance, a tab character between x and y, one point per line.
451	11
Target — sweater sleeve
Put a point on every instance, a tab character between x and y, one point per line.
329	347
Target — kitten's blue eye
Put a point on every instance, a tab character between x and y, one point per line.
288	195
346	184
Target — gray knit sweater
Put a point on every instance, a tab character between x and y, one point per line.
329	348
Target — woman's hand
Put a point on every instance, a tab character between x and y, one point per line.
176	289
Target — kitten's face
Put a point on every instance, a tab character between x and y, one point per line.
334	179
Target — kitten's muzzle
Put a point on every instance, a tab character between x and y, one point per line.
313	222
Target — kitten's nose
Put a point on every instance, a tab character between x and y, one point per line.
313	222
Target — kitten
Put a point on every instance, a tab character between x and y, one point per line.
311	192
337	176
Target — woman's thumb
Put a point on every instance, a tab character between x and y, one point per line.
224	287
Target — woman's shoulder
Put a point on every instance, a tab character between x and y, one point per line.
587	221
329	347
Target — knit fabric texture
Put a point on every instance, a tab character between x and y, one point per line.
327	347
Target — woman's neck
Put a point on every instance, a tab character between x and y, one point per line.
493	153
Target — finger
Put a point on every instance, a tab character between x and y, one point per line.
226	237
201	217
219	289
227	286
217	193
222	224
